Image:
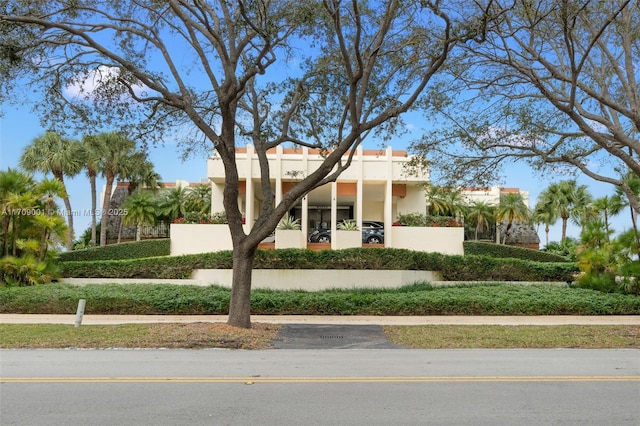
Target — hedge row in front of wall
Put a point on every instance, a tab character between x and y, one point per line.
452	268
505	251
129	250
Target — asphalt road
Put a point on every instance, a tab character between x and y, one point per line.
319	387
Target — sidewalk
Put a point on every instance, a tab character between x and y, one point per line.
318	319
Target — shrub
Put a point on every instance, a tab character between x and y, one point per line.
600	282
412	219
288	222
453	268
348	225
129	250
26	271
420	219
505	251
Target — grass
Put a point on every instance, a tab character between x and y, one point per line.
216	335
190	336
519	336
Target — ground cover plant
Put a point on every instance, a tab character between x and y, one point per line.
419	299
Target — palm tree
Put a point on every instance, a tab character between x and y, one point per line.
138	173
141	174
52	226
174	202
22	205
608	207
544	213
482	214
94	150
141	209
12	182
584	212
632	181
116	161
49	190
512	209
199	199
444	201
62	157
566	199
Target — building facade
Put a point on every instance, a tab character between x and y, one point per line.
376	187
520	234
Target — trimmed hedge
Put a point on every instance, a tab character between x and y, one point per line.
146	299
129	250
452	268
505	251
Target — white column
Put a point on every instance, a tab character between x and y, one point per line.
305	202
305	218
334	213
249	197
388	199
359	186
217	194
278	172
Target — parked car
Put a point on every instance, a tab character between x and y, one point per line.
372	233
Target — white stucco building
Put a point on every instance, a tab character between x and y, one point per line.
491	195
376	187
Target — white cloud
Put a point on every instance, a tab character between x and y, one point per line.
94	81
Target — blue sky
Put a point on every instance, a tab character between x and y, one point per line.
19	126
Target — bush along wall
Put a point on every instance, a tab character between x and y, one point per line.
453	268
129	250
504	251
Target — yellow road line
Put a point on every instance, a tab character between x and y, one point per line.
252	380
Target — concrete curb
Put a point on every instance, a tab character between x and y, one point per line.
318	319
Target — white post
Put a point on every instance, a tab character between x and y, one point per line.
80	311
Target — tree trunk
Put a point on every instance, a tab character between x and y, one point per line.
94	197
43	245
546	232
634	223
5	227
105	208
240	304
13	235
119	232
67	205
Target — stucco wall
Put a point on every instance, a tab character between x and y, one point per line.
445	240
197	238
317	279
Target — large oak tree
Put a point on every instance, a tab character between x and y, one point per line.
351	68
554	85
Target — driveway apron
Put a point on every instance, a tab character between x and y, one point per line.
332	336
